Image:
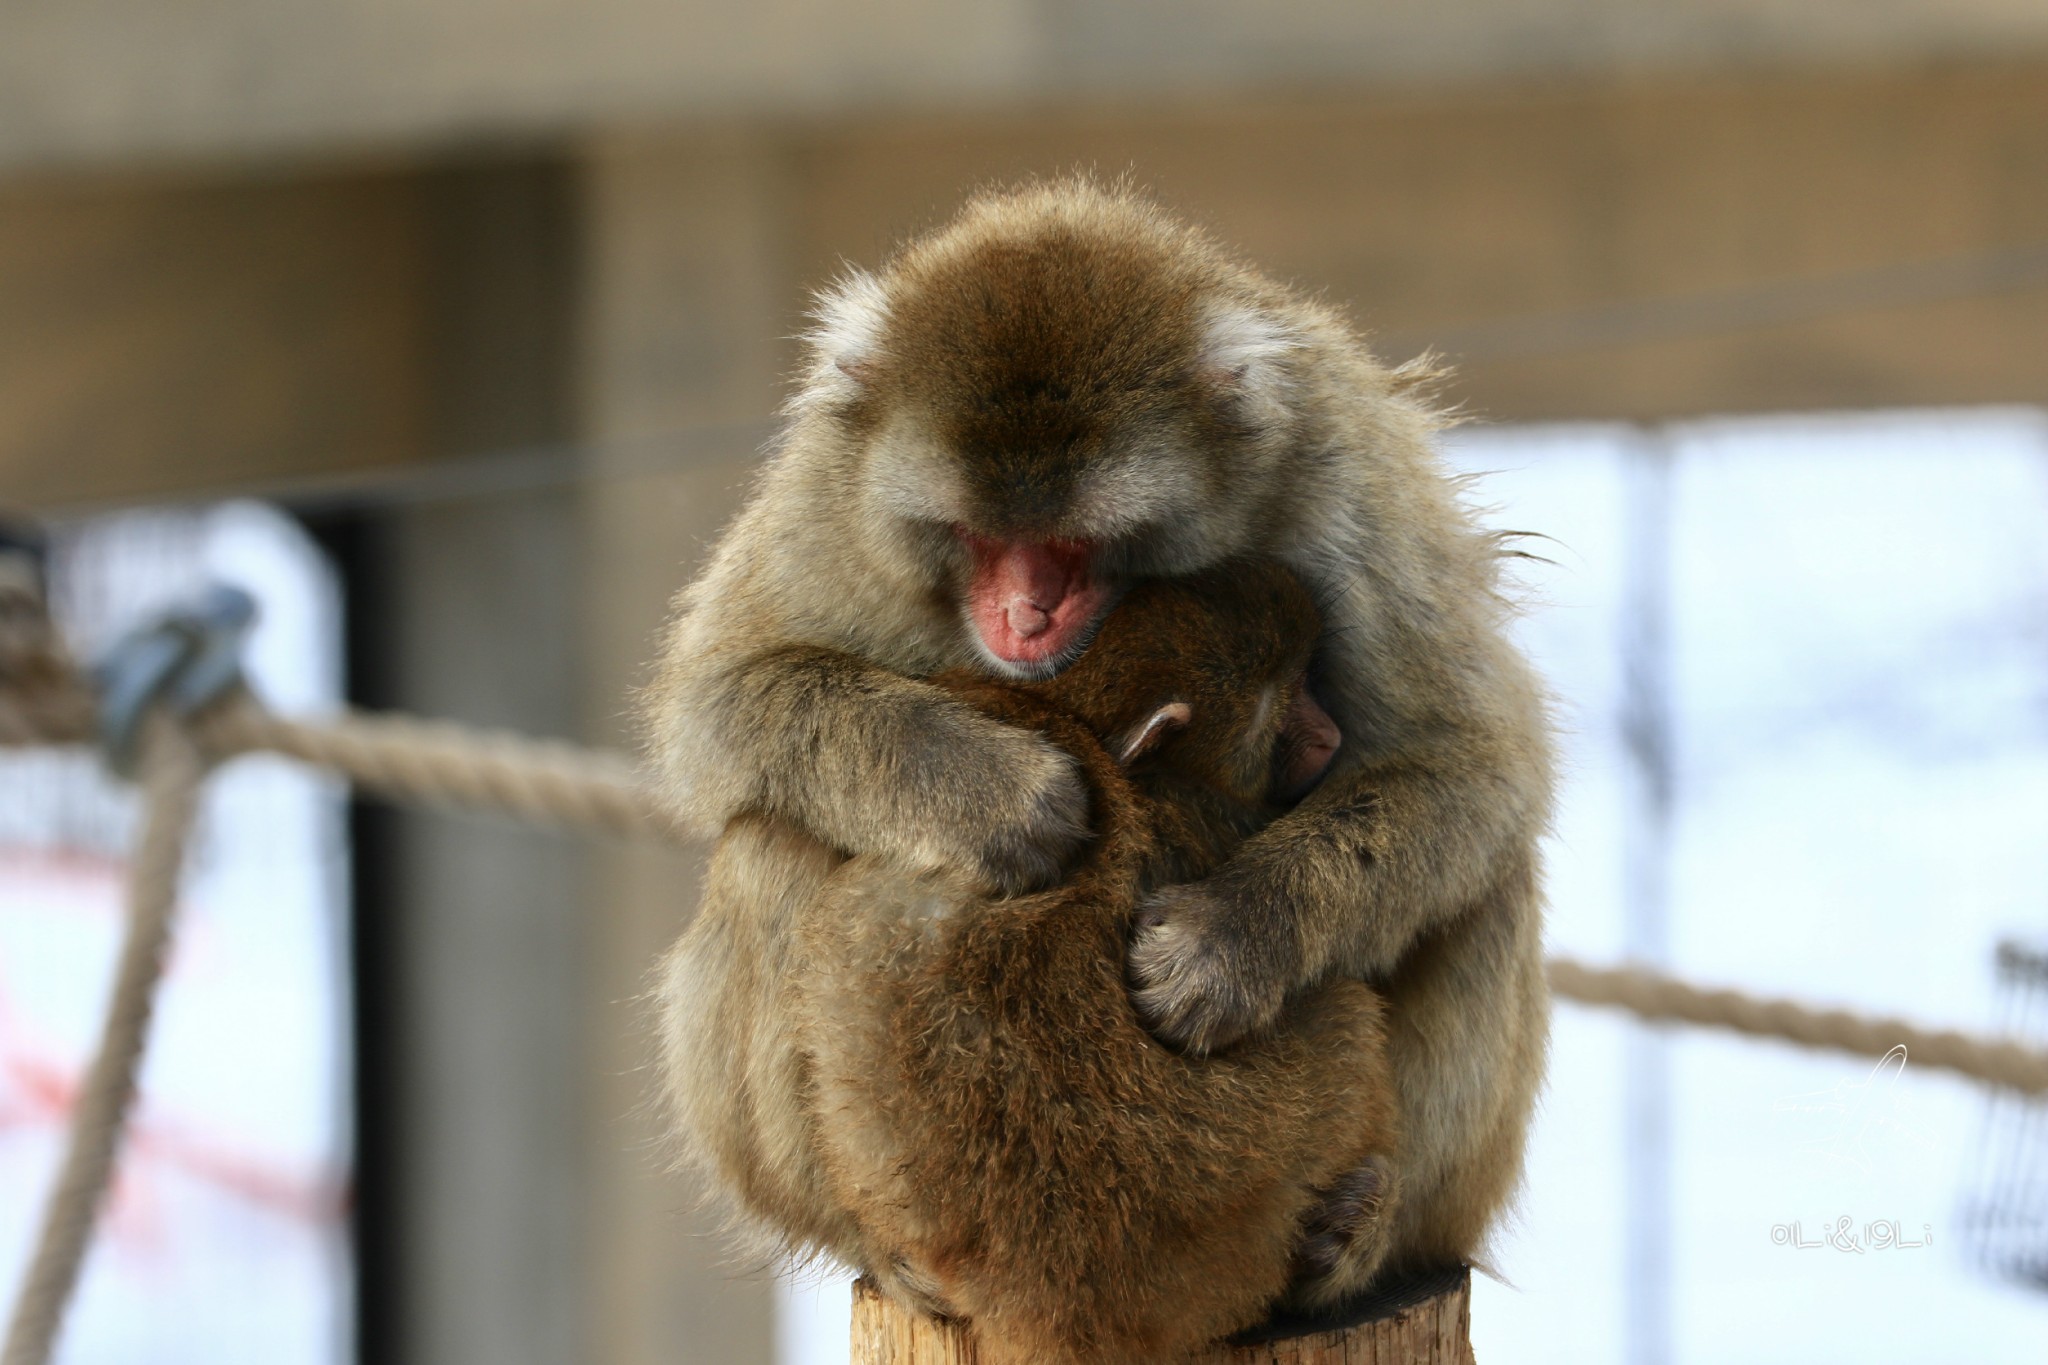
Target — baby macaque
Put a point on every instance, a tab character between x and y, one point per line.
962	1100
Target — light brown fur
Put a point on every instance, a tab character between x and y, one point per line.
1068	362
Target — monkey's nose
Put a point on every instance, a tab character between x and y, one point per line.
1027	618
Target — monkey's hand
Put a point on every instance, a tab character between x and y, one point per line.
1345	883
936	784
1013	811
1203	975
870	762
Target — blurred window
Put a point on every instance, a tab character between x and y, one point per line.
1802	672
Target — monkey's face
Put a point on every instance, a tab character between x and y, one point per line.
1042	416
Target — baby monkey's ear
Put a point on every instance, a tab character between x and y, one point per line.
1145	736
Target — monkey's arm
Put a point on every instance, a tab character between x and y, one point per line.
1380	855
871	762
1443	780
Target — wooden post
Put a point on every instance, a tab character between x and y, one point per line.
1418	1322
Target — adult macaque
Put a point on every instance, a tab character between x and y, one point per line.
1060	395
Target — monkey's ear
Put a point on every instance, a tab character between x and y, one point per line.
1240	357
1144	737
845	337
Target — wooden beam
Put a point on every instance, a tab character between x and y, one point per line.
1597	248
1615	250
160	336
165	336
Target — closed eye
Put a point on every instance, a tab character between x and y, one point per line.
1113	499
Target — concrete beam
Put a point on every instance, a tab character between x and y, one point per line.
685	269
118	80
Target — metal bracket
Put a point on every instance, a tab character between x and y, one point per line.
184	660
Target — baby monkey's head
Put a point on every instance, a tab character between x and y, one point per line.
1204	680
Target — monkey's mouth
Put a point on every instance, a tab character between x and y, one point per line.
1033	603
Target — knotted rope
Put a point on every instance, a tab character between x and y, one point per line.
433	763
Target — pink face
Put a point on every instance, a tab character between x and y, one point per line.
1032	602
1309	740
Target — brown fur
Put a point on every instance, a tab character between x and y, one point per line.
990	1106
1068	362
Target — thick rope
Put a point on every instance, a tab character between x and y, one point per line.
571	786
547	782
172	769
1654	996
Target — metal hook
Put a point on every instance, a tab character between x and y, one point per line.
184	660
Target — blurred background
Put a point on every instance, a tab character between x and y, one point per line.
452	330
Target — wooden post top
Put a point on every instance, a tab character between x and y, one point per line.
1424	1321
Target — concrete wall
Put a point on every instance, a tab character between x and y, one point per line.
180	332
1604	249
486	935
